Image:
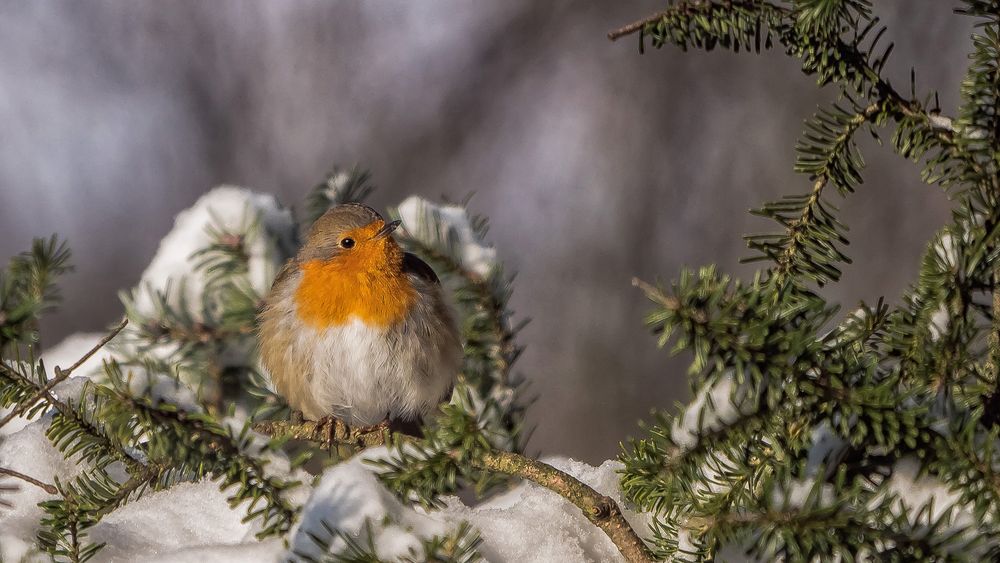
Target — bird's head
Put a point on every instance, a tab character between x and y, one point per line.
352	267
352	238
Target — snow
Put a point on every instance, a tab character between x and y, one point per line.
473	254
335	184
233	209
796	494
184	516
713	407
946	248
827	446
28	451
940	121
530	523
916	492
348	496
939	322
526	523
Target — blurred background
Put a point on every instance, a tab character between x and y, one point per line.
593	162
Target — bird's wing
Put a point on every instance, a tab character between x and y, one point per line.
414	265
285	271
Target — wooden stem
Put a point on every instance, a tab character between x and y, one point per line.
51	489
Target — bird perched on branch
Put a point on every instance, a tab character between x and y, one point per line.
356	328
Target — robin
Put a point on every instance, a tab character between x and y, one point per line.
356	328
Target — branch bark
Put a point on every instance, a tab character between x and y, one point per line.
325	433
51	489
630	28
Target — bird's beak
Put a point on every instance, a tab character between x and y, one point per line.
386	230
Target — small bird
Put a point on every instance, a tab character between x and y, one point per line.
356	328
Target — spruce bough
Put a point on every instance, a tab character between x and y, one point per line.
806	442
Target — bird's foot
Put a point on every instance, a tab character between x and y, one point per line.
335	430
381	427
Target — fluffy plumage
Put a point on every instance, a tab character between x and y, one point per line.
360	332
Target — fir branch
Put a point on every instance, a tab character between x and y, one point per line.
758	330
817	533
638	26
732	23
809	246
338	187
83	503
198	441
979	116
959	453
61	375
27	289
137	481
226	256
458	546
921	380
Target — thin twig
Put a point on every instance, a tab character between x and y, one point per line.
62	375
51	489
629	29
654	294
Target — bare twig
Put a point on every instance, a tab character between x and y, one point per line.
51	489
654	294
629	29
62	375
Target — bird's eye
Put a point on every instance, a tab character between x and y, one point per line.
347	243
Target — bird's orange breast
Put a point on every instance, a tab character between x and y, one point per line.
366	283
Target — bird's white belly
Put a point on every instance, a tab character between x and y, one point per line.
363	373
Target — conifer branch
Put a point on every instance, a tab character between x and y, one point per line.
795	526
809	245
197	440
138	479
27	289
823	52
61	375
